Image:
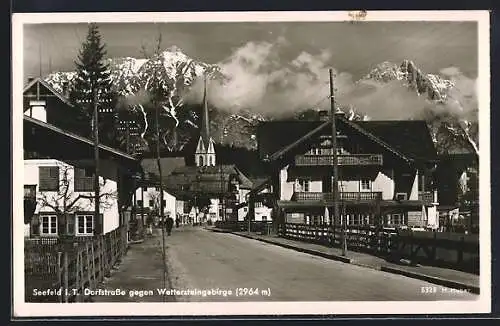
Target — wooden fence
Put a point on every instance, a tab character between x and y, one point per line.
451	250
242	226
70	266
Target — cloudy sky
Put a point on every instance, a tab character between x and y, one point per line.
352	49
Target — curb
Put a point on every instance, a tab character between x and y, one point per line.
431	279
304	250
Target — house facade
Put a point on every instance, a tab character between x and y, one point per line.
385	172
68	188
59	170
147	198
257	205
458	182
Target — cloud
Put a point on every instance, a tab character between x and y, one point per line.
258	77
263	77
463	96
384	101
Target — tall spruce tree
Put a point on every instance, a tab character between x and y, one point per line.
93	77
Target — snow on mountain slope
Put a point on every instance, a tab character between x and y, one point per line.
176	73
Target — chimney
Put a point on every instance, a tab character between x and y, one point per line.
37	110
324	115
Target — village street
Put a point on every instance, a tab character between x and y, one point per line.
199	259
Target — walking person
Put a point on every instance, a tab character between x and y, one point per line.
169	225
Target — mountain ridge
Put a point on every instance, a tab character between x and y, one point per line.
177	74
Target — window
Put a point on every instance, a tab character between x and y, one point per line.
30	191
49	178
200	160
157	188
164	202
401	196
84	179
303	185
264	218
396	219
139	203
151	203
48	225
85	225
258	204
366	184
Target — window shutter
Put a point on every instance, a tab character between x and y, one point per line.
71	224
35	225
48	178
99	226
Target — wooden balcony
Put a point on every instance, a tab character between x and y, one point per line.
343	160
426	196
328	196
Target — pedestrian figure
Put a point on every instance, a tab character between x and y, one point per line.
177	221
169	224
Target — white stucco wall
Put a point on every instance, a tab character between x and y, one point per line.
414	188
108	207
384	182
151	193
37	110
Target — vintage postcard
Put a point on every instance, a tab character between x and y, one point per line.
251	163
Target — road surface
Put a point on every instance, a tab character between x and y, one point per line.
200	259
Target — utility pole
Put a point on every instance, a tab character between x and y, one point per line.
97	219
335	186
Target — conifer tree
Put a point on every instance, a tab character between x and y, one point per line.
93	82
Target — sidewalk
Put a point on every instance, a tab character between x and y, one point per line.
138	276
440	276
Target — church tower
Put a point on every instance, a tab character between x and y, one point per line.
205	150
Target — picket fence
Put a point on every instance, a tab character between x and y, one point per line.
69	266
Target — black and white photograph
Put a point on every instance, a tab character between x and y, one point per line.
251	163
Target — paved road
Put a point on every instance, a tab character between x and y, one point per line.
201	259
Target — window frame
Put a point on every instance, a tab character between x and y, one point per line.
49	233
85	226
362	184
304	184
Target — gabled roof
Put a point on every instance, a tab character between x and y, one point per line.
409	140
272	136
50	88
168	165
206	179
51	140
410	137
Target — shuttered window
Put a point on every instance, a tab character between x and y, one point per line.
49	178
84	179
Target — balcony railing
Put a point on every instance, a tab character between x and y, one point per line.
426	196
328	196
346	160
